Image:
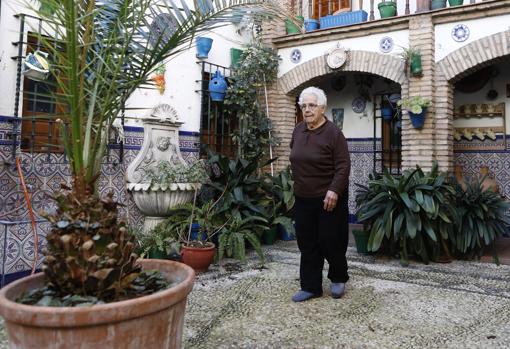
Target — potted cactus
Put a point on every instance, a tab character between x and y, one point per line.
416	107
94	292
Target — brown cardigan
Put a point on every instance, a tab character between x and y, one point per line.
319	160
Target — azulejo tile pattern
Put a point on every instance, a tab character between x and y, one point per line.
44	174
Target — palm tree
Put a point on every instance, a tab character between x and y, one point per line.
107	49
102	52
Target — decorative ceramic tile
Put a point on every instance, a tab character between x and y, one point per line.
460	33
386	44
44	174
295	56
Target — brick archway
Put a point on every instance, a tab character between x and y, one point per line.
282	101
359	61
475	55
460	63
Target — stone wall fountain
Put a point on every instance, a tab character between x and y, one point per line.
160	143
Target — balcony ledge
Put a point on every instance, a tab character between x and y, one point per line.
385	25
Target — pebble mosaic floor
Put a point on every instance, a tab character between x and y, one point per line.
456	305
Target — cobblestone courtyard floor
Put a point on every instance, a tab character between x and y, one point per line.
456	305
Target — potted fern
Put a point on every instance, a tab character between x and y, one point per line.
412	59
416	107
106	51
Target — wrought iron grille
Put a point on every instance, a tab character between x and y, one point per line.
32	129
216	125
388	154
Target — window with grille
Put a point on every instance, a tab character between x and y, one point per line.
39	130
216	125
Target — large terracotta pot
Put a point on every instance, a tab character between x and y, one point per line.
199	258
153	321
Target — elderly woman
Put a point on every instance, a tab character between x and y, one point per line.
320	164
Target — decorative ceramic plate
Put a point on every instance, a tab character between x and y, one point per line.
359	104
336	57
460	32
295	56
386	44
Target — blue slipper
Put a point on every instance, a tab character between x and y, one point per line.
301	296
337	289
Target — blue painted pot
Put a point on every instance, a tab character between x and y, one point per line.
387	113
204	45
311	24
418	120
217	87
196	234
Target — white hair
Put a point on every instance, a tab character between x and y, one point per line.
321	96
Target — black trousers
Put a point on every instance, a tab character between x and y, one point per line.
322	235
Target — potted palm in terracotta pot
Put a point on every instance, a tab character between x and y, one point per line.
94	292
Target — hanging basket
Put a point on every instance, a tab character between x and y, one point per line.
387	113
418	120
415	65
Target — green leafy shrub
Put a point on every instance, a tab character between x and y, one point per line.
412	212
481	219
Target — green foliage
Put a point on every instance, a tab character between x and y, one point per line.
408	53
257	69
236	232
164	173
89	252
237	178
480	219
163	239
414	104
280	194
412	212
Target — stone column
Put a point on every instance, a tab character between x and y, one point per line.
418	144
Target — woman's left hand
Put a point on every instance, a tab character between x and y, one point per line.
330	200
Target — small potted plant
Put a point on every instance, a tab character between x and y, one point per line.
387	8
416	107
412	59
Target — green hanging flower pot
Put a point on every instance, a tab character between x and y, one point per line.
415	65
456	2
291	27
387	9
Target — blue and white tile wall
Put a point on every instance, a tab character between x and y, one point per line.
492	155
43	174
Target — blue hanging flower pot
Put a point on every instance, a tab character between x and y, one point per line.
204	45
217	87
418	120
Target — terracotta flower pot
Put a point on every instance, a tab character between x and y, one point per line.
199	258
153	321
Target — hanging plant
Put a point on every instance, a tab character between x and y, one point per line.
412	59
242	99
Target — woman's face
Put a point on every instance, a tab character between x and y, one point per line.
312	113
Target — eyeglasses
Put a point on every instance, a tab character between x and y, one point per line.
310	106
